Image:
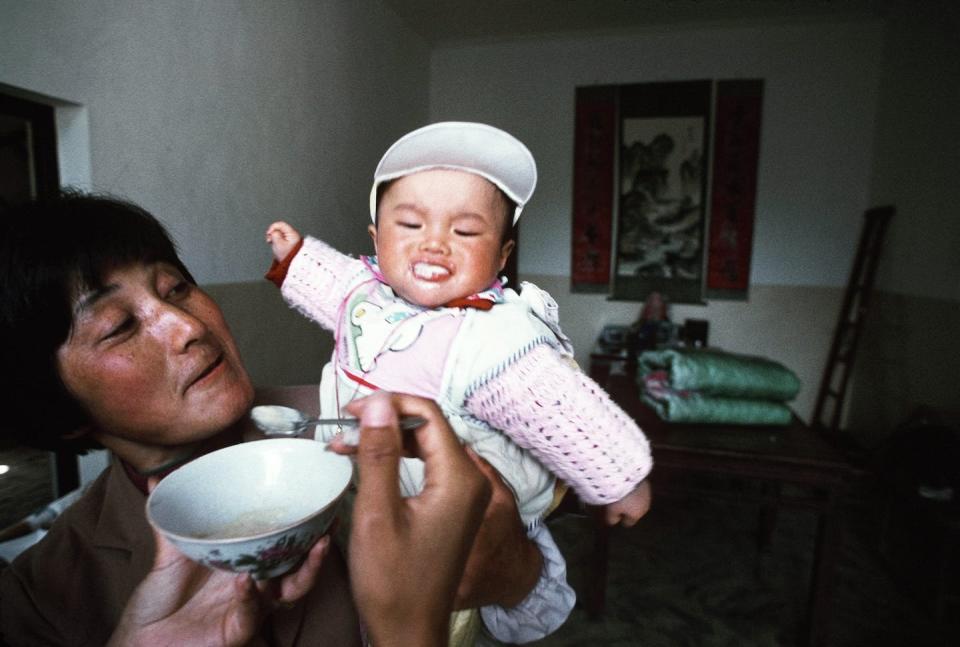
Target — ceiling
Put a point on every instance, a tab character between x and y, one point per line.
442	22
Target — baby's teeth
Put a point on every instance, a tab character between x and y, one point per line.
428	271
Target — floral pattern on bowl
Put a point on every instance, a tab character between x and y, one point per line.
266	562
253	508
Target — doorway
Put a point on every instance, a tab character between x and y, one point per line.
29	478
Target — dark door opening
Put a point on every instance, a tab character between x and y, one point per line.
29	479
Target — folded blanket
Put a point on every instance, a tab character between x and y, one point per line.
688	406
716	373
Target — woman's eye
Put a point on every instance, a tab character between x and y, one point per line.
120	329
179	289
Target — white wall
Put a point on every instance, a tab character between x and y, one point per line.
221	116
816	142
819	116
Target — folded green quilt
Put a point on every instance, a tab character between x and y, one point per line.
717	373
694	407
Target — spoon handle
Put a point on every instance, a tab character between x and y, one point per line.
350	435
407	423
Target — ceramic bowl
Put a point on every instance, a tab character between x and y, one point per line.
255	508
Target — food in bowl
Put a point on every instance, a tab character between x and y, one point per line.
255	522
255	508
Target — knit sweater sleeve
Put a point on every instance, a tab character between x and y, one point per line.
568	423
318	281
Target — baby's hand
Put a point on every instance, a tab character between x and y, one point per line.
282	238
628	510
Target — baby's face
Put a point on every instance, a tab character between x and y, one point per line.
438	236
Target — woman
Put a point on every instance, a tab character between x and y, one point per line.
106	341
421	542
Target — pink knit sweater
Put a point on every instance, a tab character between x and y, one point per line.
568	423
540	401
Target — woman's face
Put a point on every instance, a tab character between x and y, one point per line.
153	362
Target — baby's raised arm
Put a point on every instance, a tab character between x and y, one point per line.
317	279
282	238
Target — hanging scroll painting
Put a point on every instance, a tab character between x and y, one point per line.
661	194
640	194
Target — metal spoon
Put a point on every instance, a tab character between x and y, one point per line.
275	420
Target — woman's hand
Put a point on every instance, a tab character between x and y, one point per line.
504	565
181	602
407	555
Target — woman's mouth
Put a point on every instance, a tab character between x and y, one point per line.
205	373
430	272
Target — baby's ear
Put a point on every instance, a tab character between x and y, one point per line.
372	230
505	252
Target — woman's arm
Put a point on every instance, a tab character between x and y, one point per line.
184	603
407	554
504	564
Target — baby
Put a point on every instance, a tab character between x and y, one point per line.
428	315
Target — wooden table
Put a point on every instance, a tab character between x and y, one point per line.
775	456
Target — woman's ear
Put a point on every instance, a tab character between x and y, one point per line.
78	433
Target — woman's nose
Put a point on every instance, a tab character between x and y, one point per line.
179	327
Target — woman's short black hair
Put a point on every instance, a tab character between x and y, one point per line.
49	249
